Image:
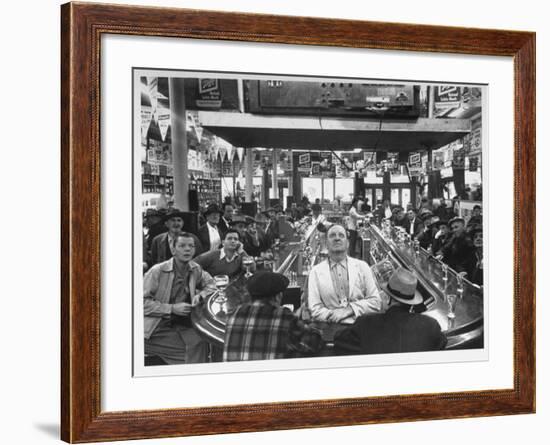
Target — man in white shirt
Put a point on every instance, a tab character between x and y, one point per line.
341	288
209	234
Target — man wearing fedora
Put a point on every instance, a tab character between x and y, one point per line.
162	246
209	233
263	329
341	288
396	330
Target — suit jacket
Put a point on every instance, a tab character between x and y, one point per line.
223	227
397	330
271	232
204	237
418	226
160	250
363	293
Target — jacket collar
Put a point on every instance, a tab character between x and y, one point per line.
168	266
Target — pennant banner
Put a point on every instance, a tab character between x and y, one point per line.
230	153
163	117
240	153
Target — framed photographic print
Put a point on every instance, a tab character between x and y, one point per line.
280	216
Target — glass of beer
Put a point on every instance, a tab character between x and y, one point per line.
247	262
451	304
221	282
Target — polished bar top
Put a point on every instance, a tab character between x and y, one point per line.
387	252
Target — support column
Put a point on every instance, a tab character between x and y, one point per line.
274	178
248	173
178	122
290	174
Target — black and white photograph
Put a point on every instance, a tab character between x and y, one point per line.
287	217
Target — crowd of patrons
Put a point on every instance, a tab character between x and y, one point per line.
180	263
455	240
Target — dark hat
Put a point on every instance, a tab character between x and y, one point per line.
174	213
266	284
475	228
270	209
150	212
212	208
436	221
240	219
402	287
456	219
316	207
425	214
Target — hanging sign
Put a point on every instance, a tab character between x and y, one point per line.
304	159
210	95
415	160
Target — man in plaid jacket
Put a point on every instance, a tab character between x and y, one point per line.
263	329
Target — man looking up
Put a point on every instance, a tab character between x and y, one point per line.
341	288
170	290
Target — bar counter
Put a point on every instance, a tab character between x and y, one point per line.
384	250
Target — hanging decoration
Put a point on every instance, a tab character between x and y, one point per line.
240	153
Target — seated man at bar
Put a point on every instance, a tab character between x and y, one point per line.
341	288
413	225
263	329
170	290
162	246
397	330
225	261
458	252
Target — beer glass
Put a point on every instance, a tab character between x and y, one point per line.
451	304
247	262
221	282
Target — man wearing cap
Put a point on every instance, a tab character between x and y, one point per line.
170	290
209	234
225	261
397	330
341	288
263	329
162	247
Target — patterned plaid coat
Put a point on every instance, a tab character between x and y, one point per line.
261	331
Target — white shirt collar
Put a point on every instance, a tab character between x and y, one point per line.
223	255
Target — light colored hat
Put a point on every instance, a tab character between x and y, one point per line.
402	287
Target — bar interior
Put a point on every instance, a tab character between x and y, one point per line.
353	190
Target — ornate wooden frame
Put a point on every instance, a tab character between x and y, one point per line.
82	26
